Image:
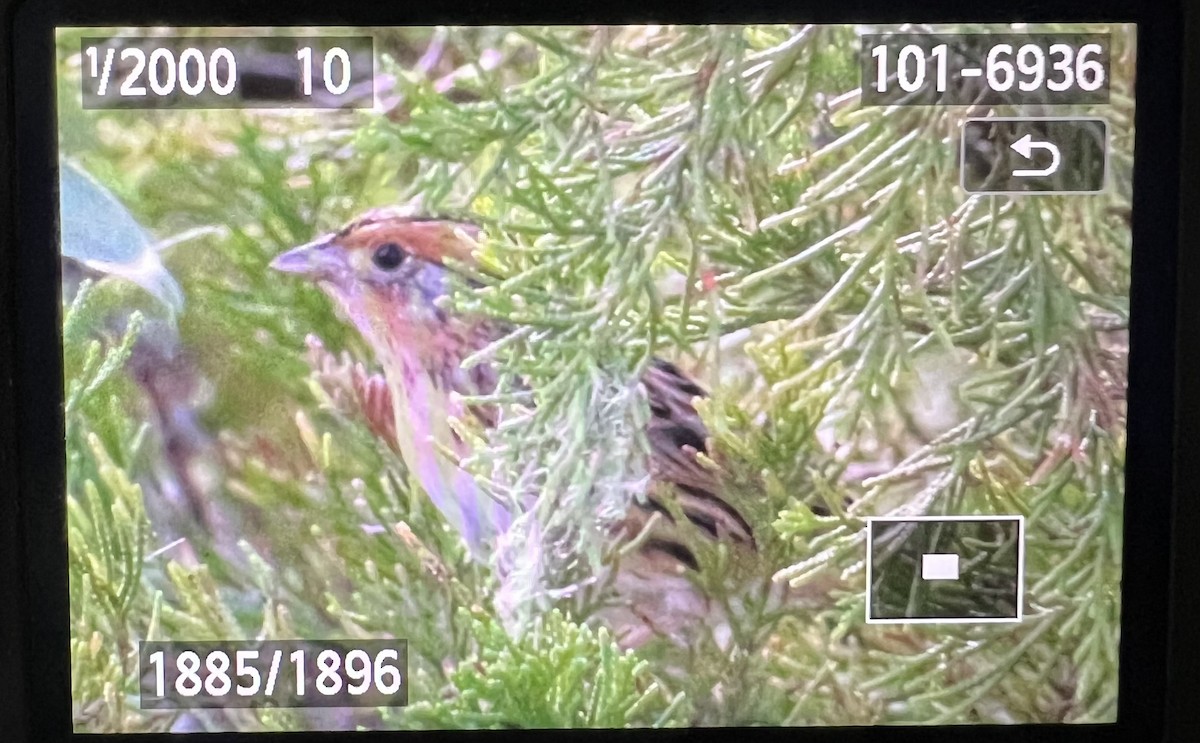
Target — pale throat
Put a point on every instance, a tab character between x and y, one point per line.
421	351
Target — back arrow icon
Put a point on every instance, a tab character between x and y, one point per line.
1025	147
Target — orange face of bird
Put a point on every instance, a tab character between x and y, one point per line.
387	271
381	247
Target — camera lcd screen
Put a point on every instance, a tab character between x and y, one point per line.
602	377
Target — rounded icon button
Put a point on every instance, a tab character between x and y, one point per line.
1034	155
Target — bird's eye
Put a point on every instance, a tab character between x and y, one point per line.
388	256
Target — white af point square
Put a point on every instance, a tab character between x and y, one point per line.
939	567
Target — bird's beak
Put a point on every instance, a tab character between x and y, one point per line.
317	259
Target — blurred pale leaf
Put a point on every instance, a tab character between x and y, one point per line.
99	232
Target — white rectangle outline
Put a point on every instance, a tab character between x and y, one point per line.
940	620
962	155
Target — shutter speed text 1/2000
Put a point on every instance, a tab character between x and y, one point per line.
236	72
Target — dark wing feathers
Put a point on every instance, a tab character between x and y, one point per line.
676	436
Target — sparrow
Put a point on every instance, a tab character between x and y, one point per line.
387	272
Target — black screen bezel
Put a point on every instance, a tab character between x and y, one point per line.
31	284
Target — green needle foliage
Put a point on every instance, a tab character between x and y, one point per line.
592	683
875	342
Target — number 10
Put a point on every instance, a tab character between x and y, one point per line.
910	67
335	54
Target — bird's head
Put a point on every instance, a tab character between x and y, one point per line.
387	270
386	252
